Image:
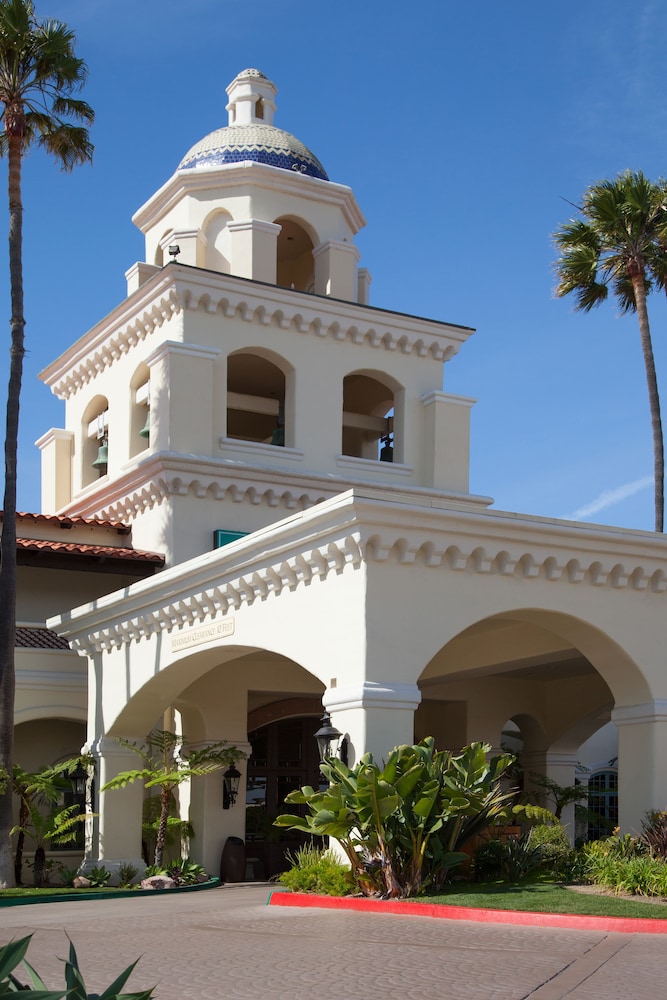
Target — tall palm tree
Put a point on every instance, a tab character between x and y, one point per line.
619	243
39	74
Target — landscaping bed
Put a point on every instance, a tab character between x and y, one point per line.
18	897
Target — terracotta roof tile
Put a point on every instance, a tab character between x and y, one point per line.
39	638
79	548
65	521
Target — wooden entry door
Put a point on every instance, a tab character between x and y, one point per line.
284	757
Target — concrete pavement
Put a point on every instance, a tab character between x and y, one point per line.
226	944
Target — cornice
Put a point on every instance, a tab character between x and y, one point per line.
247	172
355	530
150	482
177	288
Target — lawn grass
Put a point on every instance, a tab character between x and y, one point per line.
542	897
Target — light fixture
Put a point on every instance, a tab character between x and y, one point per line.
325	736
230	786
174	251
79	778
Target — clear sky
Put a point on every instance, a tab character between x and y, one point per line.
463	130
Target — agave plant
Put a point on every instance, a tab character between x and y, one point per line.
13	954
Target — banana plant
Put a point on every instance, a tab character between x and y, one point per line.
409	818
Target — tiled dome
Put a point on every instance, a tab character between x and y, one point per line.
255	141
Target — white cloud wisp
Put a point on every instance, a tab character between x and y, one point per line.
608	498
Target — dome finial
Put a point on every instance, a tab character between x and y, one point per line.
251	98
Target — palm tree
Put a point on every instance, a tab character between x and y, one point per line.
169	760
620	242
39	73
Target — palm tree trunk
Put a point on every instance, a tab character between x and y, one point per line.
161	838
24	819
8	535
653	397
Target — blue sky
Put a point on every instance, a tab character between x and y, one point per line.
462	129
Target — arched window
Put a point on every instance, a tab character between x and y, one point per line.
296	267
603	802
371	417
95	440
256	404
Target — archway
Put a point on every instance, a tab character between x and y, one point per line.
372	417
258	407
295	264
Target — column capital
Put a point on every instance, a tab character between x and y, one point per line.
632	715
372	694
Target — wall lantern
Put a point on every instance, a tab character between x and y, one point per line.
327	735
230	786
79	778
174	251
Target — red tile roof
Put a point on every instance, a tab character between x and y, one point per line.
65	521
81	549
39	638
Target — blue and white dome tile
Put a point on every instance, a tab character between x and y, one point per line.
256	141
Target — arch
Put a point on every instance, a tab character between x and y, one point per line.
140	401
218	251
94	437
565	638
206	683
295	266
158	258
373	416
260	393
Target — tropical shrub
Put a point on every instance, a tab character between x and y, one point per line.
317	870
185	872
487	860
402	826
557	853
519	858
12	954
127	873
98	876
654	833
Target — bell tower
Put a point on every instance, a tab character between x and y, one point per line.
245	376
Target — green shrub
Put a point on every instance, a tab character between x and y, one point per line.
557	853
519	858
317	870
622	864
185	872
127	873
98	876
654	833
487	860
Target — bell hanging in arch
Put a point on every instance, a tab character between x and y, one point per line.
102	460
387	449
145	431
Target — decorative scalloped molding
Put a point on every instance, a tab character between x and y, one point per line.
352	549
253	302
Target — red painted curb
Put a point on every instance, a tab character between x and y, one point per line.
571	921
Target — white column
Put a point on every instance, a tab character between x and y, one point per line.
642	756
57	447
336	270
446	441
376	716
182	397
113	837
254	249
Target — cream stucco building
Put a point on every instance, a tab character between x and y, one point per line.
291	451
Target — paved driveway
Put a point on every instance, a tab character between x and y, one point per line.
226	944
